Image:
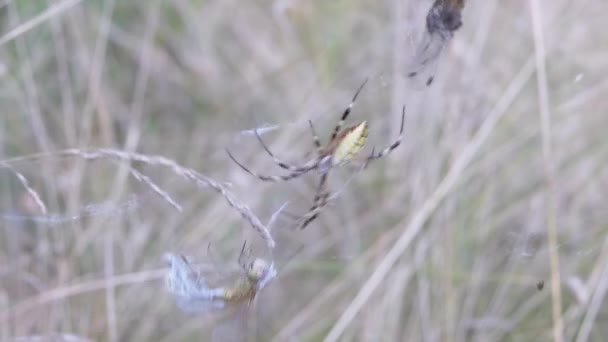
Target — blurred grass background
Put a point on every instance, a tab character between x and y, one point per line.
187	78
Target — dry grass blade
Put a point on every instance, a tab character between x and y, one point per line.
153	78
58	337
157	189
432	203
64	292
23	180
52	11
189	174
596	301
545	118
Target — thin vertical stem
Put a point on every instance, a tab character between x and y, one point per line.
110	292
545	120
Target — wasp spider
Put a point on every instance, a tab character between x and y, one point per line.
343	146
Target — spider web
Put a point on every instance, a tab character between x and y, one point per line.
38	192
107	209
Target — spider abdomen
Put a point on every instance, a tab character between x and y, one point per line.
242	290
349	143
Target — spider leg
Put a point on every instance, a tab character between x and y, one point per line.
241	260
346	112
319	202
214	261
278	161
322	187
314	211
313	164
368	159
315	137
394	145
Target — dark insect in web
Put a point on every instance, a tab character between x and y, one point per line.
442	20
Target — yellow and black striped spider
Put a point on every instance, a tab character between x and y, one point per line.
343	146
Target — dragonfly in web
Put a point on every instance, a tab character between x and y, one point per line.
193	292
442	20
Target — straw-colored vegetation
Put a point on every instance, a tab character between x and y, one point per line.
497	191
